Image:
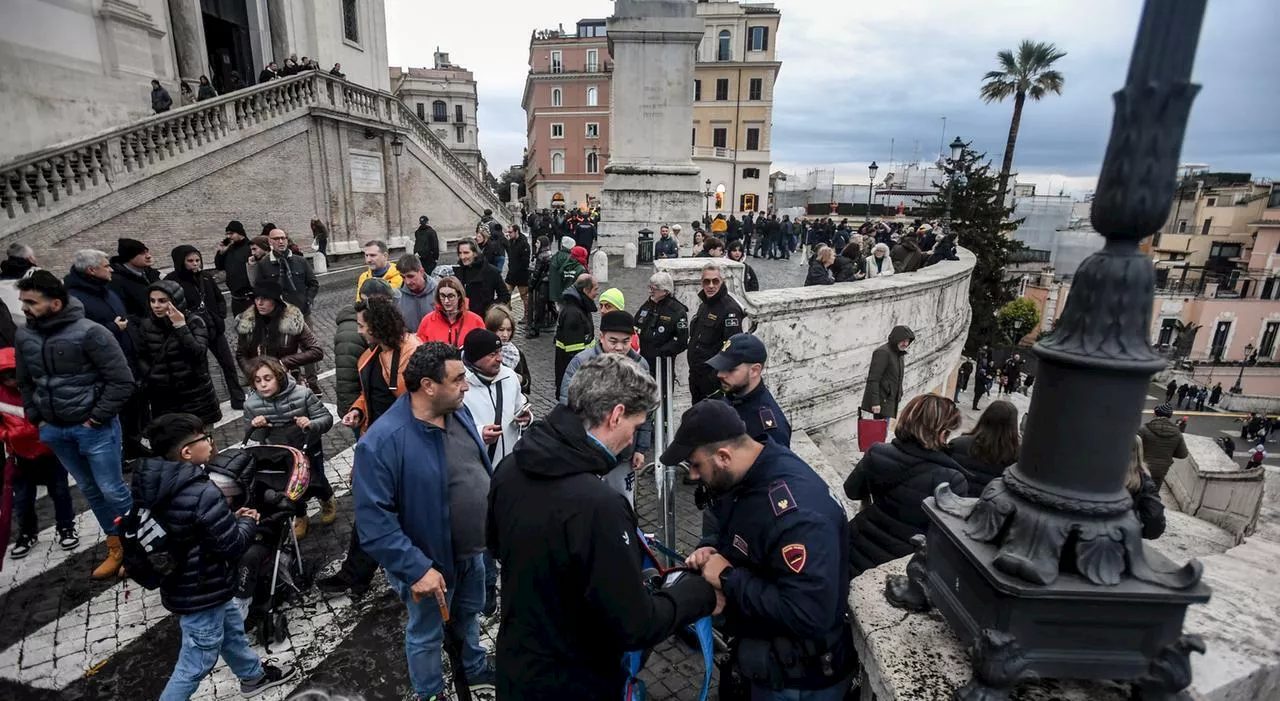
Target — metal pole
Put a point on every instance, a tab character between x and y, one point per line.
951	188
1238	387
669	474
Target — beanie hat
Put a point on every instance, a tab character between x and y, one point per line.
615	322
172	290
269	289
567	242
1165	410
579	254
128	248
479	343
262	242
422	220
614	296
236	227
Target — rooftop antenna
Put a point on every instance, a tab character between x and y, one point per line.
891	140
942	138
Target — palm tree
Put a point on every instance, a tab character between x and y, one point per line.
1028	73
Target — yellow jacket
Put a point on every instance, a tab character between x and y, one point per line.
392	276
719	226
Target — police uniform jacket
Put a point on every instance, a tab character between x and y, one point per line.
663	327
762	415
718	317
786	537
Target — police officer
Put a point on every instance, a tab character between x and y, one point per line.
780	560
738	366
719	316
663	322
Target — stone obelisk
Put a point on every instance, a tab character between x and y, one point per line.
651	178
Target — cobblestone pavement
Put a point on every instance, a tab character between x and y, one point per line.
66	636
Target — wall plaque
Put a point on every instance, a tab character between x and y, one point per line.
366	172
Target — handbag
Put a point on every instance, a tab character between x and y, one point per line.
871	431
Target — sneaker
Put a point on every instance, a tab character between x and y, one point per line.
490	601
23	546
338	584
485	681
67	538
272	676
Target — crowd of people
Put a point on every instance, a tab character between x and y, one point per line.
162	101
471	504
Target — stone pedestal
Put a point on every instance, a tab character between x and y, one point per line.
651	177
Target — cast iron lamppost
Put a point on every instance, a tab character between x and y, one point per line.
871	186
957	150
1045	574
707	194
1247	360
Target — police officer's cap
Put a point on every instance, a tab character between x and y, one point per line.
740	348
708	421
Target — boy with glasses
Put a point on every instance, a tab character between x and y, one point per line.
195	516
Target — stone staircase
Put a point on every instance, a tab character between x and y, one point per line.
53	197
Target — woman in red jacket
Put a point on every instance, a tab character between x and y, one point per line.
450	321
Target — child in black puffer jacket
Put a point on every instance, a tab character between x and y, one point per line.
193	511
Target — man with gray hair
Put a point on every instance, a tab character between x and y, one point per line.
557	527
719	317
663	322
19	260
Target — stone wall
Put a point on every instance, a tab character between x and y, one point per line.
1249	402
1214	488
820	339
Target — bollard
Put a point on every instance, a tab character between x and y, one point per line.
319	263
629	255
600	265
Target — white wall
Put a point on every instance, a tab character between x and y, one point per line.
315	30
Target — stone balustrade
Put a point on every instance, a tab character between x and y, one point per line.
50	182
1215	488
820	339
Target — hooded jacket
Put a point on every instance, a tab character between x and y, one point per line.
132	287
484	286
391	274
281	408
907	256
572	589
173	362
518	258
201	290
197	514
348	346
846	269
897	477
644	433
414	306
295	276
426	243
402	494
1161	443
576	330
234	261
884	379
286	338
818	274
71	370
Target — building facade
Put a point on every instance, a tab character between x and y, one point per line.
566	102
734	78
444	97
76	67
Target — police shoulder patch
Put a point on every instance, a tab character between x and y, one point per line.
795	555
683	323
780	498
766	418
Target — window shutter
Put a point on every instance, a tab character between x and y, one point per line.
766	38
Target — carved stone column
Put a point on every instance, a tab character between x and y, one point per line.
187	28
279	25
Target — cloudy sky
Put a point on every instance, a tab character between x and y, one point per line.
857	76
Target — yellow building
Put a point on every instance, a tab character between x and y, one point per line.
734	77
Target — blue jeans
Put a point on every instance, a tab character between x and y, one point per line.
92	456
205	636
502	261
424	633
33	472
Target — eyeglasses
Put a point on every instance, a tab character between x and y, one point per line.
712	282
448	295
201	439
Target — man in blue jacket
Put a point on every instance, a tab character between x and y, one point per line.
421	495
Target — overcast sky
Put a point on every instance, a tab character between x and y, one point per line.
858	75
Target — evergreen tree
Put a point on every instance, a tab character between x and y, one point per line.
973	187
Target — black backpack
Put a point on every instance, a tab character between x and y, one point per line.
150	553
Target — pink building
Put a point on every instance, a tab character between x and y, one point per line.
566	103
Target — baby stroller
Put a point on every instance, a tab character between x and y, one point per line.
273	480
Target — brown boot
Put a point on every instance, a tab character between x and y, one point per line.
328	511
110	567
300	525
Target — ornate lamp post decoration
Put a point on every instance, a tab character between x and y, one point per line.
708	194
871	186
1046	573
957	150
1248	359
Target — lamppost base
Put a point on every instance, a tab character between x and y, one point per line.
1071	628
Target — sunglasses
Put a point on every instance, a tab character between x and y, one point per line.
201	439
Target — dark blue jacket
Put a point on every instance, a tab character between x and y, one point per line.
102	305
786	536
762	415
401	486
666	248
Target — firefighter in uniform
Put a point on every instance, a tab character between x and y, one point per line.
719	316
780	560
663	322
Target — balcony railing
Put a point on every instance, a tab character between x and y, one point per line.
585	69
713	152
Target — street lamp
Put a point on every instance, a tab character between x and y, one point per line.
708	194
397	146
871	170
957	150
1045	573
1248	359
